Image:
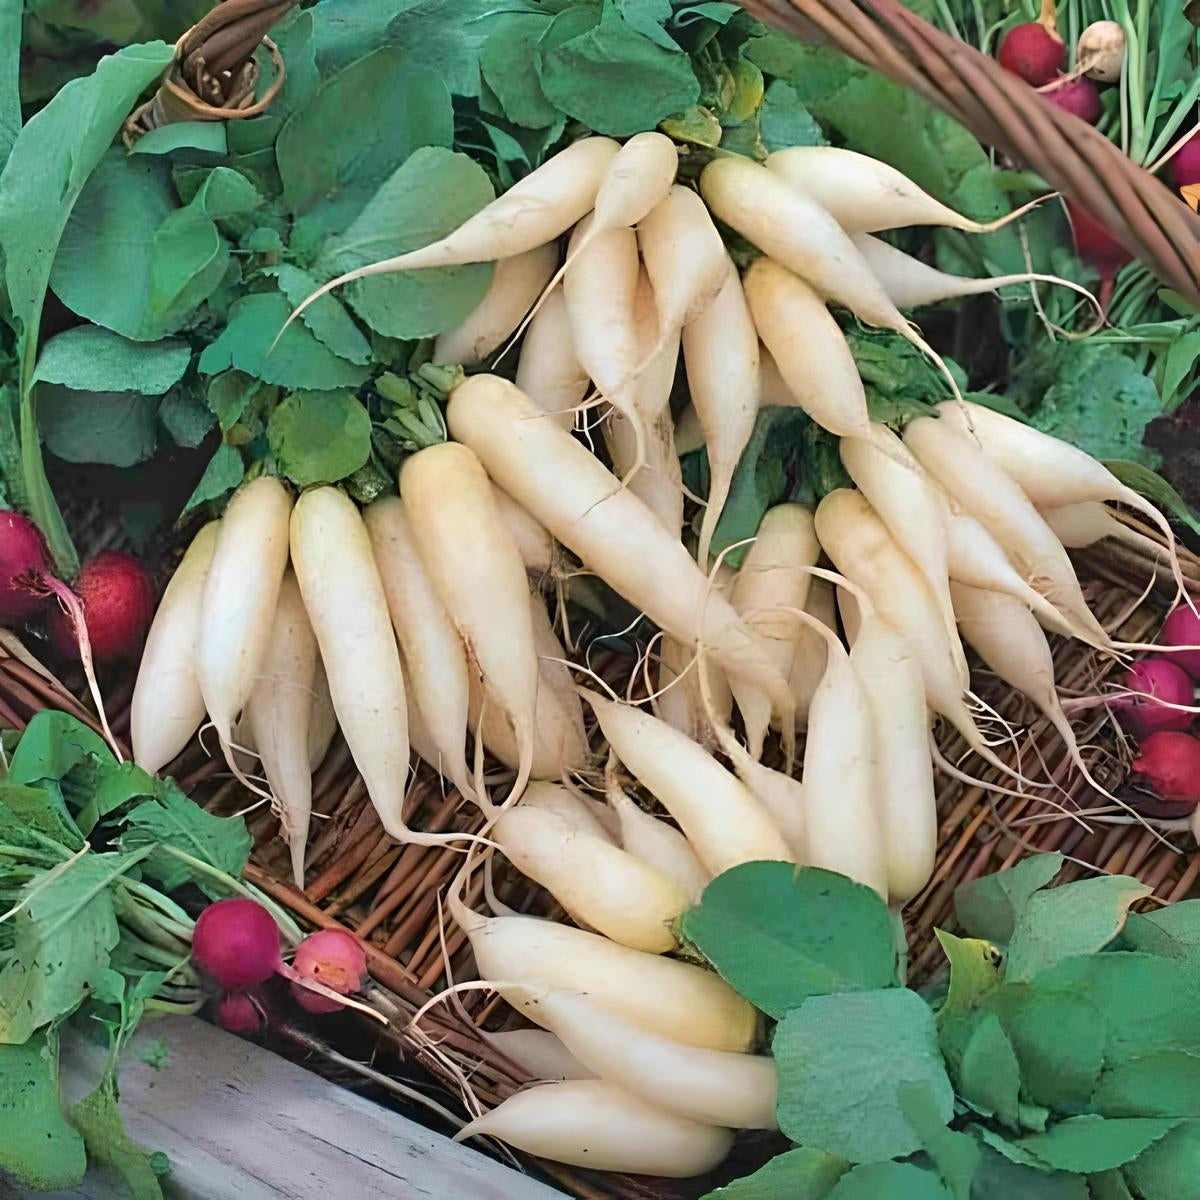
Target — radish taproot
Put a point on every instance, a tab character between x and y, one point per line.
1089	521
1080	97
554	798
656	842
538	1052
322	721
548	370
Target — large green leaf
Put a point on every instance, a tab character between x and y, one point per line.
989	907
780	934
319	437
224	472
117	428
889	1181
505	60
99	1120
326	319
92	359
800	1174
1090	1143
10	74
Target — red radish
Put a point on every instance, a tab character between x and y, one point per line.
1170	764
24	560
242	1012
1034	51
237	943
1080	97
1185	163
118	606
1182	628
1097	247
1164	680
334	958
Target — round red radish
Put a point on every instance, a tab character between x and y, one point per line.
331	957
1170	764
1182	628
1080	97
1185	163
1094	244
118	606
24	561
237	943
1033	52
1155	677
242	1012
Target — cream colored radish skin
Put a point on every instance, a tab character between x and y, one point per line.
240	595
721	818
554	798
167	706
1089	521
810	653
344	599
593	1124
549	371
322	721
600	885
434	656
534	542
538	1052
477	574
713	1087
658	844
679	701
516	283
808	348
280	716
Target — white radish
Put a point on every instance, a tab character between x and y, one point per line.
911	283
435	659
1086	522
770	588
685	258
515	284
720	350
584	506
945	447
809	349
713	1087
280	717
914	510
322	721
589	1123
534	211
548	370
534	542
167	706
905	800
679	701
809	652
554	798
801	235
657	843
775	392
538	1052
721	818
238	603
865	195
527	955
601	886
477	574
344	599
659	482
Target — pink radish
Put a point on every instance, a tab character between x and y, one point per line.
24	559
1160	678
236	942
1098	248
1182	628
118	606
1169	763
1080	97
1185	163
243	1013
1034	51
331	957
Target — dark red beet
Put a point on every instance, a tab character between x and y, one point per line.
1185	165
1170	764
1079	97
237	943
242	1012
118	604
24	560
1033	52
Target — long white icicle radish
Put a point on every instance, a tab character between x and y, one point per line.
720	351
280	710
167	706
322	721
240	594
1087	522
534	211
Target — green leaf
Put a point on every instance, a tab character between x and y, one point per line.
208	136
117	428
414	304
1109	1185
889	1181
504	61
38	1146
780	934
185	415
1168	1170
900	381
974	972
335	153
1091	1143
990	906
955	1155
296	360
295	37
604	73
1179	366
117	786
91	359
223	473
989	1077
1155	488
52	746
326	319
648	17
1166	1084
29	814
97	1117
1000	1179
1076	918
799	1174
62	938
10	73
1171	932
785	121
174	820
841	1059
319	437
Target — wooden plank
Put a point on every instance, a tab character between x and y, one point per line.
240	1122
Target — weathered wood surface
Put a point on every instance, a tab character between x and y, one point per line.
240	1123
